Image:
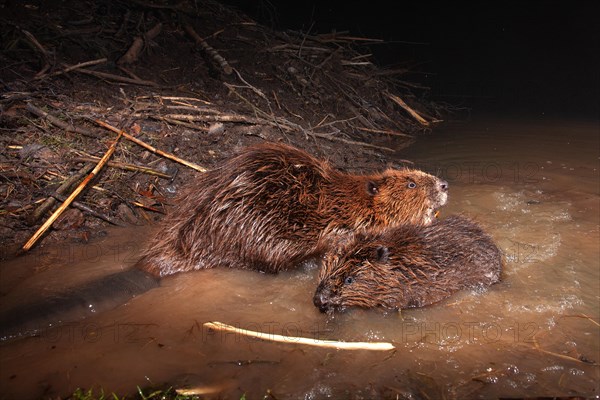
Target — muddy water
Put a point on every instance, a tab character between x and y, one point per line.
533	185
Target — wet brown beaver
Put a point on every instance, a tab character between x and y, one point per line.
273	206
268	209
408	266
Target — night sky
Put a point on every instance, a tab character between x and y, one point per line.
529	58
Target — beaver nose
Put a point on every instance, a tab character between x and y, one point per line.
443	185
321	299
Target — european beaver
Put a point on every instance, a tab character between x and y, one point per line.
408	266
273	206
268	209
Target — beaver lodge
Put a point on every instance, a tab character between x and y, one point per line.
186	83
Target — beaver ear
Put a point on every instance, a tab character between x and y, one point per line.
372	188
383	254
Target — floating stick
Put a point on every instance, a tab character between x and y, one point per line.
219	326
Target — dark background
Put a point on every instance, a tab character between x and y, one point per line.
529	58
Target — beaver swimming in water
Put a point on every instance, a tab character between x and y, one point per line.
408	266
269	208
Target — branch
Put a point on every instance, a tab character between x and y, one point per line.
134	51
57	122
219	326
89	210
217	58
116	78
405	106
62	189
148	147
73	67
126	167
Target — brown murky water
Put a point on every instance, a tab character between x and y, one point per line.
533	185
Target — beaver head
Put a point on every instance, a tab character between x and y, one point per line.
357	276
407	193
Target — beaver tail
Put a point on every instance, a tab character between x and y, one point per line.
75	304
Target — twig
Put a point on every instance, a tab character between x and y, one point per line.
562	356
193	108
219	326
37	44
73	195
322	123
181	123
292	48
355	63
269	119
206	390
276	99
178	98
89	210
536	346
216	118
386	132
148	147
217	58
127	167
73	67
326	60
352	142
57	122
116	78
253	88
45	54
141	205
63	188
584	316
405	106
128	72
134	51
304	40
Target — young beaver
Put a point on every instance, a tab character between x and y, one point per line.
269	208
408	266
273	206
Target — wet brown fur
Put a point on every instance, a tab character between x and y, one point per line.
408	266
273	206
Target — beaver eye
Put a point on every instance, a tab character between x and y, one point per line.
372	188
349	280
383	254
412	185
